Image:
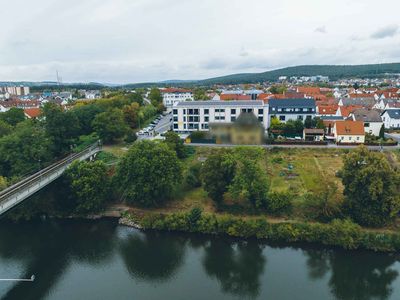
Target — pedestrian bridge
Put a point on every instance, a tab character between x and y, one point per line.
18	192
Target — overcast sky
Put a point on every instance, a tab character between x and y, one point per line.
121	41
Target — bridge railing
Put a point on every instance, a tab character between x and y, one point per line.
37	177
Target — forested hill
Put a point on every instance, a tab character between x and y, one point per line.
333	71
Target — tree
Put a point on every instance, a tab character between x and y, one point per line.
89	184
85	115
370	187
25	150
217	174
155	96
61	126
5	128
278	89
148	173
110	125
250	183
13	116
131	114
176	144
382	132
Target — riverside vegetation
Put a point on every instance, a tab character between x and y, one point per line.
348	198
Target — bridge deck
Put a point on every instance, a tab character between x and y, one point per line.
18	192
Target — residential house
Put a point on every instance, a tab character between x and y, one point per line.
292	109
32	113
371	118
391	118
349	132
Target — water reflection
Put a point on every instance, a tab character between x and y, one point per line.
238	269
153	256
49	255
354	275
49	249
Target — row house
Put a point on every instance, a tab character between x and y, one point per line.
7	105
197	115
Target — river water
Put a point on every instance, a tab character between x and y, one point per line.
101	260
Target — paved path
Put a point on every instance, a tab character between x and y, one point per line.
164	124
329	146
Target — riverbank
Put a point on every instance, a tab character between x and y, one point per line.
340	233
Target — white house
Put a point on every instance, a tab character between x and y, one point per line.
196	115
171	96
349	132
371	118
292	109
391	118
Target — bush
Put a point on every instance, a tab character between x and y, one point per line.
279	203
193	175
343	233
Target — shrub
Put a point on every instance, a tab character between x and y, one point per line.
279	203
193	175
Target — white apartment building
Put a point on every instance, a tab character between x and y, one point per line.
171	96
15	90
196	115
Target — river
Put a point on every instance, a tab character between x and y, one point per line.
102	260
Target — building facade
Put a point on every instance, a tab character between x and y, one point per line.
391	118
291	109
172	96
197	115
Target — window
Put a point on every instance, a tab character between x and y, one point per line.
282	118
196	111
206	119
260	119
349	138
184	119
366	124
233	111
184	111
300	118
175	126
184	126
175	112
358	138
260	111
233	119
175	118
206	111
219	110
279	109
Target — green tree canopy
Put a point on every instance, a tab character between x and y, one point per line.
89	184
155	96
110	125
148	173
217	173
25	150
61	126
13	116
371	187
174	142
5	128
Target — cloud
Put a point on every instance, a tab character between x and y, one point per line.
121	41
321	29
384	32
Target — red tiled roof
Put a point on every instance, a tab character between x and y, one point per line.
350	128
309	90
327	109
32	112
347	110
234	97
174	90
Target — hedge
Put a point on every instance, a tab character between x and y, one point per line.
342	233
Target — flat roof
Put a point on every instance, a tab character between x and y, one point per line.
295	102
220	103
